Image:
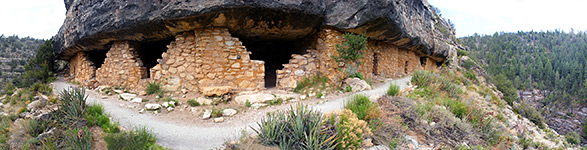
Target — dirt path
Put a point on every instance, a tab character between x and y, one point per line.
177	135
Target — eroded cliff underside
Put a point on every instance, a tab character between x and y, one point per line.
247	45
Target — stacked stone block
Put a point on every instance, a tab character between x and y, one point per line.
299	66
82	70
208	57
122	66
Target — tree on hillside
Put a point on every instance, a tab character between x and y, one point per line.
39	68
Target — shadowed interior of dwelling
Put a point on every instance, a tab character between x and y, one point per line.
151	51
274	53
97	57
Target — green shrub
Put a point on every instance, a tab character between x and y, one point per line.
530	113
348	88
9	89
78	139
296	128
363	107
153	87
73	103
392	90
316	82
131	140
248	103
458	108
452	89
277	101
573	138
461	52
34	127
216	112
585	129
95	116
193	103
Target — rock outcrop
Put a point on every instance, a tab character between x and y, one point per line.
94	25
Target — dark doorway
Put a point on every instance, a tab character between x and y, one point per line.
423	61
375	61
406	68
151	51
274	53
97	57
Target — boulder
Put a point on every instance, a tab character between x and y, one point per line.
152	107
215	90
136	100
218	120
92	25
254	98
229	112
127	96
204	101
357	84
207	114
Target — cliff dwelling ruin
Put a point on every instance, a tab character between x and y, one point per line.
239	48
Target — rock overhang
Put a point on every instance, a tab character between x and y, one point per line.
92	25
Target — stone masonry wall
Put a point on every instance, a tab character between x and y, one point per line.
210	57
391	60
380	58
82	70
299	66
122	66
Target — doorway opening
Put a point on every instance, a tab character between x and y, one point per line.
149	52
97	57
406	68
274	53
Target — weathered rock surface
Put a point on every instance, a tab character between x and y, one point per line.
357	84
215	90
92	25
127	96
152	106
229	112
254	98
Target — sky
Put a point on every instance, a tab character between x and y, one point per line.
490	16
35	18
43	18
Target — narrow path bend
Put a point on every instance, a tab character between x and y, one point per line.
179	136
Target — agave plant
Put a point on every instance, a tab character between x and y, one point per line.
296	128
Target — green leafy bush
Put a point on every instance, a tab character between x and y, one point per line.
392	90
458	108
530	113
131	140
153	87
363	107
248	103
316	82
296	128
95	116
216	112
461	52
79	139
350	50
573	138
193	103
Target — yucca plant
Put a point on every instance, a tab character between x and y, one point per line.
296	128
422	78
73	103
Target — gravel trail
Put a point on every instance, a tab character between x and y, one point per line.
182	136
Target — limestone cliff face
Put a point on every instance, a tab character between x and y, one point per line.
408	24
